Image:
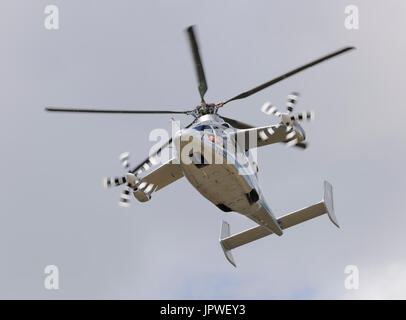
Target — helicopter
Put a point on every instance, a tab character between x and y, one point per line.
231	183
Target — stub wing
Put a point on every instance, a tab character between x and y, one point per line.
159	178
325	206
262	136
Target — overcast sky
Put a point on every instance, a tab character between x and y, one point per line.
134	54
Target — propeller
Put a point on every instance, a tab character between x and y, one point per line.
290	120
125	197
129	179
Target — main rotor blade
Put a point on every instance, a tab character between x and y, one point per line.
286	75
51	109
147	163
201	78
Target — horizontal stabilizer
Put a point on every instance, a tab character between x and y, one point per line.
325	206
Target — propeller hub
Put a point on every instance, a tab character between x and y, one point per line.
132	180
286	119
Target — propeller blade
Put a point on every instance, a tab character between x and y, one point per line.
296	144
52	109
113	181
291	135
198	62
125	197
237	124
305	115
291	143
291	139
266	134
124	159
288	74
268	108
292	100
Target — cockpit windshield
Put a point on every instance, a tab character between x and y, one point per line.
203	127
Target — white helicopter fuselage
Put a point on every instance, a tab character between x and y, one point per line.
219	163
227	177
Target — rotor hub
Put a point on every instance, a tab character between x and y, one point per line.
205	108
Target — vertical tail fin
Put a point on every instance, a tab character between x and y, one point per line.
225	233
329	203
